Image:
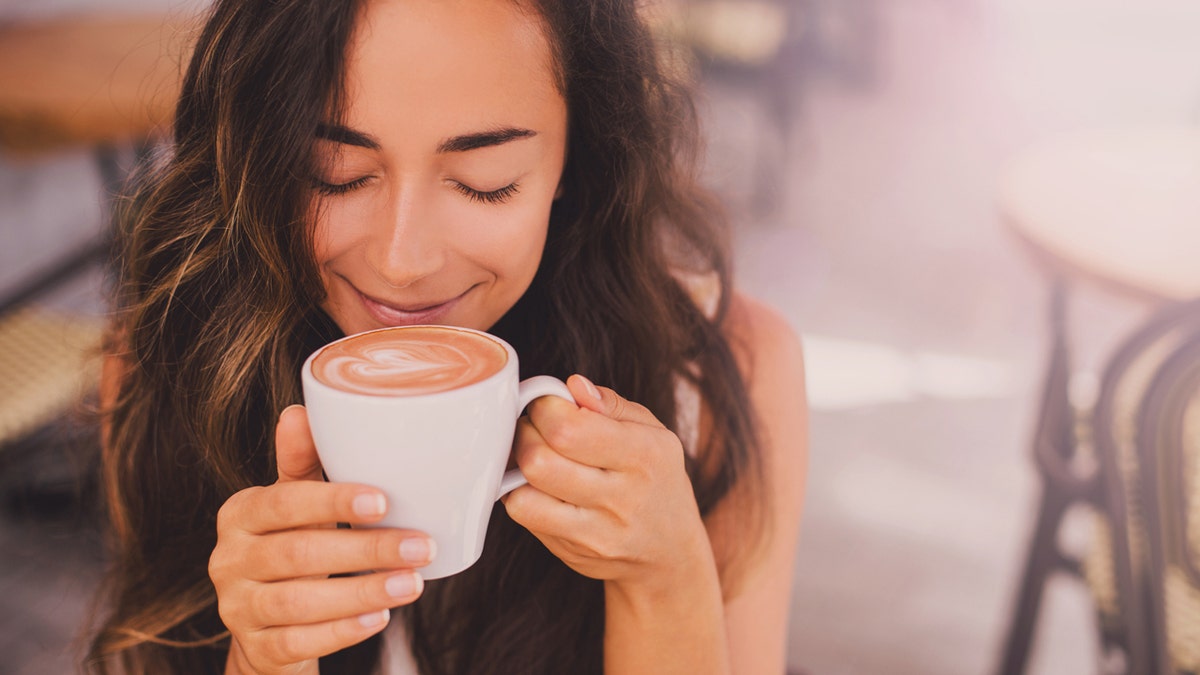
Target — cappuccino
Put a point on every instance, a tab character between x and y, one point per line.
409	361
427	414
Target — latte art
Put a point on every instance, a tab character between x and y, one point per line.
409	361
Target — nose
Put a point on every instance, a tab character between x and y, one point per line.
407	246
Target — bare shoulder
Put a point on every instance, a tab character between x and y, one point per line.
771	359
768	350
772	362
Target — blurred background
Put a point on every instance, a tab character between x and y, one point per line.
895	171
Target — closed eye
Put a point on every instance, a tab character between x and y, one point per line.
493	197
339	188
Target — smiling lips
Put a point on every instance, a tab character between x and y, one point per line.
391	315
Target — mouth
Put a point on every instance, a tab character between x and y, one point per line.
409	314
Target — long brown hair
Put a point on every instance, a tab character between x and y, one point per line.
218	306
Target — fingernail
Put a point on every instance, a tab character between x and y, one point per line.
374	619
417	550
591	388
370	504
294	405
404	585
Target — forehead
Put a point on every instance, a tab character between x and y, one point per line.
448	65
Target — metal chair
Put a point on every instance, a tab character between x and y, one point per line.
1093	461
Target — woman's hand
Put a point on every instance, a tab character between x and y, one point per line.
608	492
277	547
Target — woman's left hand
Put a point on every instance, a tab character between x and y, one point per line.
608	493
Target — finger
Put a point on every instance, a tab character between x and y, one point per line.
321	552
609	403
289	505
590	438
544	515
295	453
294	644
305	601
579	434
554	473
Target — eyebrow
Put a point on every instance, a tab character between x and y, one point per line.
347	136
484	139
463	143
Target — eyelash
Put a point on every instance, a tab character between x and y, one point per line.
341	189
493	197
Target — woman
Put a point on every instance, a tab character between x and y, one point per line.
523	168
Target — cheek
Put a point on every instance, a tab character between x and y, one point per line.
337	228
510	245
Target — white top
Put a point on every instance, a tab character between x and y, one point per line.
396	657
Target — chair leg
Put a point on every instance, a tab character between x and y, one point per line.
1054	443
1042	560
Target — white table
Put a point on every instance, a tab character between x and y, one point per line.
1121	208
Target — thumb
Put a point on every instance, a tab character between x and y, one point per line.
608	402
295	453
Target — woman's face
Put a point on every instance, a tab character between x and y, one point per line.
436	193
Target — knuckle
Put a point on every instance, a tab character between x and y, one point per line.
370	592
227	615
620	407
223	562
671	440
382	548
539	407
534	463
558	433
526	440
229	610
547	423
666	450
515	503
228	514
288	647
527	433
217	565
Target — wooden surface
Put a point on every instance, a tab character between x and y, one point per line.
1119	207
88	80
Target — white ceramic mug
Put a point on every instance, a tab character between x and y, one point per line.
439	457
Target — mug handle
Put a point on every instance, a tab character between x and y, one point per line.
527	392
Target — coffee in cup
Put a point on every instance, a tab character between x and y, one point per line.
427	415
427	359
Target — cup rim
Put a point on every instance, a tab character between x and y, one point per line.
309	379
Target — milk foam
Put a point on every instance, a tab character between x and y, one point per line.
409	361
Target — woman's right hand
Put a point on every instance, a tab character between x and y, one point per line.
277	547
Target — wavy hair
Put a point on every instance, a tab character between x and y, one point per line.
218	305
